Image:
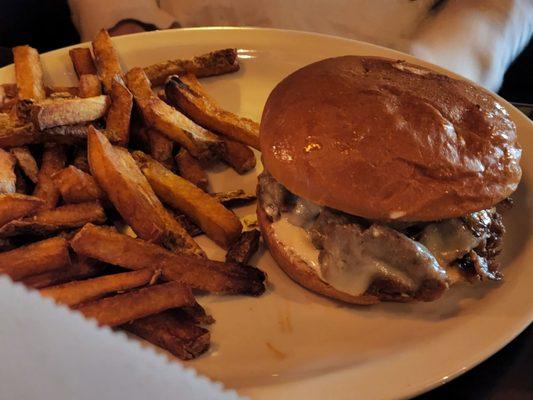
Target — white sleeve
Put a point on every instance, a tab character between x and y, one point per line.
476	38
89	16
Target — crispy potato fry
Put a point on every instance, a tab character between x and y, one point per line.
109	246
14	206
65	134
77	292
26	162
35	258
215	63
161	147
235	198
53	161
90	86
198	141
187	94
169	121
181	338
118	175
15	133
193	313
8	179
213	218
28	73
81	268
117	127
62	91
50	113
242	250
46	222
138	84
189	168
238	156
77	186
106	57
82	61
118	310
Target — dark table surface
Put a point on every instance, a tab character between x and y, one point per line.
507	375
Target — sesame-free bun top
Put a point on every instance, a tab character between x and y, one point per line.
384	139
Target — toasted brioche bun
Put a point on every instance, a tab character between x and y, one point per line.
388	140
300	272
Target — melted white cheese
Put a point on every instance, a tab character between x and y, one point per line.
297	241
359	258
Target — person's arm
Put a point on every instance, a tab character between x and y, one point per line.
123	16
476	38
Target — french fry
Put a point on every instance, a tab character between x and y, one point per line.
161	147
35	258
218	223
55	112
8	179
189	168
15	133
90	86
235	198
242	250
198	141
138	84
193	313
80	268
28	73
77	292
118	117
80	160
109	246
82	61
106	57
215	63
238	156
181	338
77	186
26	162
65	134
169	121
53	161
62	91
118	310
61	218
14	206
119	177
187	94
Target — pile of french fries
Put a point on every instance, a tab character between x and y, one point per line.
103	187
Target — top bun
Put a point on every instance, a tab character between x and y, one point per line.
388	140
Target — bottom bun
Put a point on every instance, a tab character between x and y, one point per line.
300	271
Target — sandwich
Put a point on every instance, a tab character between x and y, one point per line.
384	180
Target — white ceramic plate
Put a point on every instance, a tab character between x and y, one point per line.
291	344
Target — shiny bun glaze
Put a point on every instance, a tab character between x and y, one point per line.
385	139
